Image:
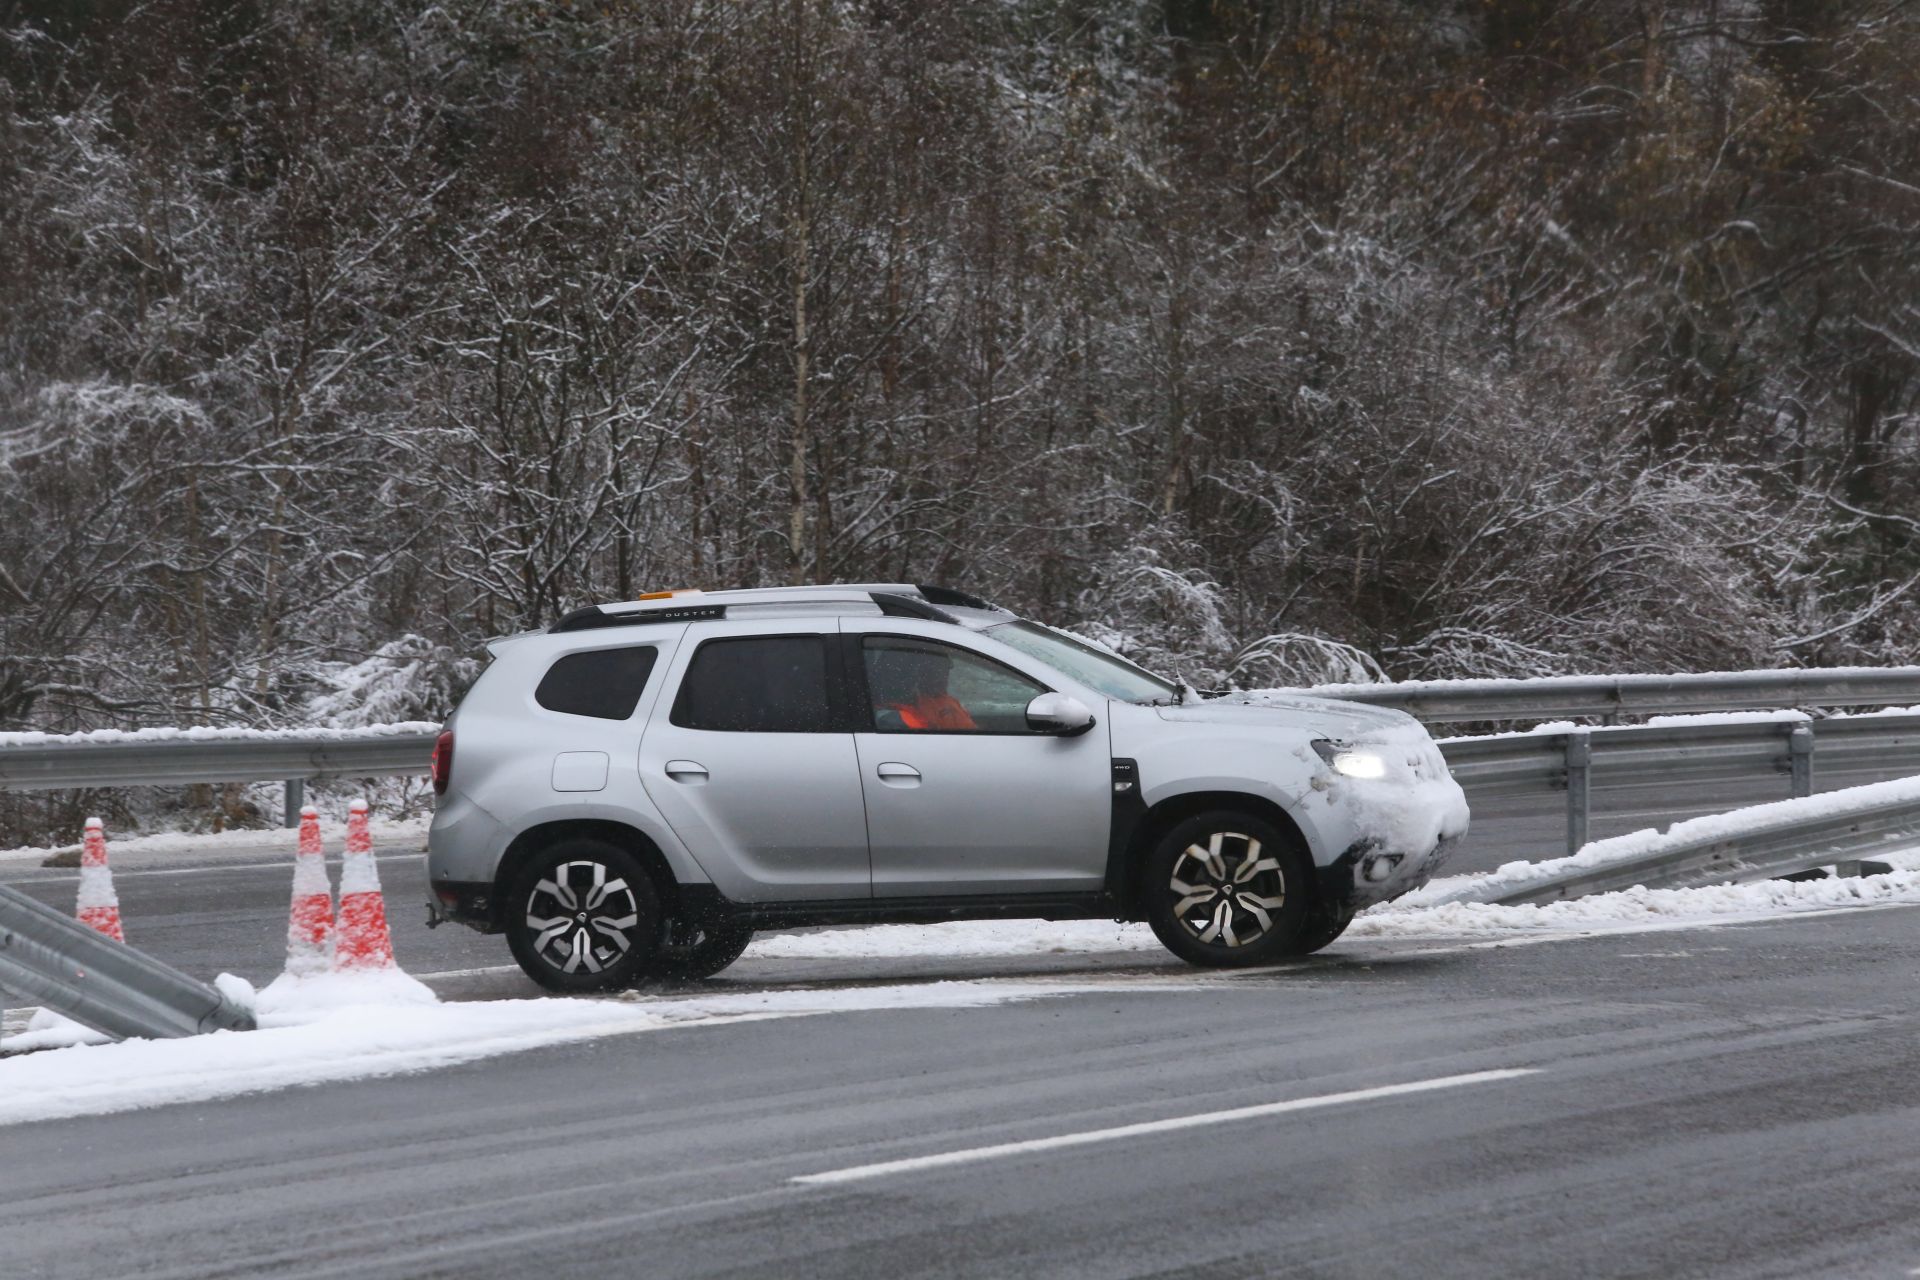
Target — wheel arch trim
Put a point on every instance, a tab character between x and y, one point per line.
528	844
1151	822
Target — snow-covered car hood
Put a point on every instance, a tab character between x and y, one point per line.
1325	717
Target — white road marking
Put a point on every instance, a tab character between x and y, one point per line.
971	1155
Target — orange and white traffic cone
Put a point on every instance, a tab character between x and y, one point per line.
310	923
99	906
361	942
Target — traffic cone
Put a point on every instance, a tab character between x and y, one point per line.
361	941
98	907
310	923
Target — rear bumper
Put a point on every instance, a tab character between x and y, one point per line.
464	902
1367	874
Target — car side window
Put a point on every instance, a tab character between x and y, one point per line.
757	684
605	684
923	686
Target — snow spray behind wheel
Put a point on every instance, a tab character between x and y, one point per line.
98	906
361	941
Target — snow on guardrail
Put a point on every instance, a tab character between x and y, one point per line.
1547	697
215	733
1751	843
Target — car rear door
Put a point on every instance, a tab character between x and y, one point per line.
749	759
995	809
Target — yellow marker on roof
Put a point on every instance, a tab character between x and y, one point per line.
668	595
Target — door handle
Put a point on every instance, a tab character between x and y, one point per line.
686	771
896	774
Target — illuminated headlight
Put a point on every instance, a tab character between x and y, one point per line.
1351	761
1359	764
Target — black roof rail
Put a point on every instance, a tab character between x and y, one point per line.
894	606
593	616
949	596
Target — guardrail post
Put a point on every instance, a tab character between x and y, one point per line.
1800	746
1579	789
296	796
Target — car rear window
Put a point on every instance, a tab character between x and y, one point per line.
605	684
757	684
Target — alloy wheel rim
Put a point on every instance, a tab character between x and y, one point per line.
1227	890
582	917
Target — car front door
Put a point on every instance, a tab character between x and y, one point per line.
749	759
962	797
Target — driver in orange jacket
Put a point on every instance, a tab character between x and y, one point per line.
912	683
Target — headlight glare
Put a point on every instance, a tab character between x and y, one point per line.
1359	764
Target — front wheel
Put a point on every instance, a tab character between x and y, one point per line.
1227	889
583	916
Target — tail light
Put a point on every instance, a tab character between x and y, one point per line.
442	762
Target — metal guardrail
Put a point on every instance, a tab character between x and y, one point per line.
1577	761
1778	848
1582	760
61	964
1565	697
180	761
164	761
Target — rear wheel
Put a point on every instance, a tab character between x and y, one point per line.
582	916
701	950
1228	889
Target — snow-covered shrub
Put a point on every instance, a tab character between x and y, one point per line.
405	679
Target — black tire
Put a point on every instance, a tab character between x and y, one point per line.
1322	926
583	915
1208	908
701	950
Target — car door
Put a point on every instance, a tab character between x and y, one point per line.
962	797
749	760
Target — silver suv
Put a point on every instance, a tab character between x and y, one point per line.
636	789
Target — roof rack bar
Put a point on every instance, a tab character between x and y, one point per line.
593	616
949	596
894	606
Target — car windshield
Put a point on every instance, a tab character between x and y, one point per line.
1097	669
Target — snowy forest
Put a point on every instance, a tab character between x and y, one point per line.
1267	341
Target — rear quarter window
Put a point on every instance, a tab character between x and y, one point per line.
605	684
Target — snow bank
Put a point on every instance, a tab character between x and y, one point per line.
1632	911
291	998
311	1041
1647	842
49	1030
214	733
1639	909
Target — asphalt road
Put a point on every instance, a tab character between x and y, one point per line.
1728	1102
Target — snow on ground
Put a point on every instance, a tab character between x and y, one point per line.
1639	909
1631	911
316	1036
972	938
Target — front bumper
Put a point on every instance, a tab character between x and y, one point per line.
1367	874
